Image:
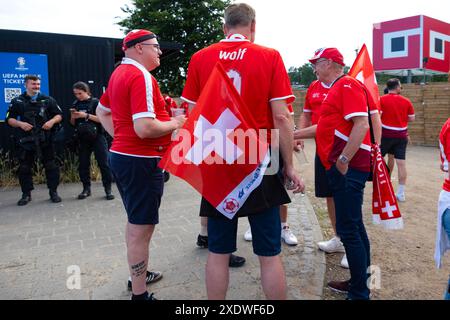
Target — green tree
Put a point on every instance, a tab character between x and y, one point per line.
193	24
303	75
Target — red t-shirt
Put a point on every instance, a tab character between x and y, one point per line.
315	95
345	100
134	93
257	72
395	110
444	144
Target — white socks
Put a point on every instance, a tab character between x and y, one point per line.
284	224
401	189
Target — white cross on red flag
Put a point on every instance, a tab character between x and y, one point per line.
384	202
217	151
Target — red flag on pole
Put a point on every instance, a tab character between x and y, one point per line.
217	152
384	202
362	70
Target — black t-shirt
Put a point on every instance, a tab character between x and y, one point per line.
88	106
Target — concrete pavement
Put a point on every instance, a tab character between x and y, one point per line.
43	245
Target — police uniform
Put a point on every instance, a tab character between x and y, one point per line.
38	142
96	144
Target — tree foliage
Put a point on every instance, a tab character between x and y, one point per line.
303	75
193	24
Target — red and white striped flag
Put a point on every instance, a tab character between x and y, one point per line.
217	152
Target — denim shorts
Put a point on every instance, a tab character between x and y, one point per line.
140	182
266	233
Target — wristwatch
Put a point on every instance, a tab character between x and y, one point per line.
343	159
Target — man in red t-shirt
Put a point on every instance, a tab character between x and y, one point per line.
133	112
316	93
396	112
443	214
259	75
343	146
286	233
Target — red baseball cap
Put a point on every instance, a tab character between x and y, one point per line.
135	36
328	53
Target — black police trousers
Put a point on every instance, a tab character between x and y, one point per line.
100	149
48	160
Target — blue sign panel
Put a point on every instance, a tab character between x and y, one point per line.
13	69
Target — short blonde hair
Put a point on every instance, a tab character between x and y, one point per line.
239	15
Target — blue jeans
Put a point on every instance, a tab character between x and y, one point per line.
446	225
348	192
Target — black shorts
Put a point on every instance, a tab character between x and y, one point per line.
140	182
395	146
321	183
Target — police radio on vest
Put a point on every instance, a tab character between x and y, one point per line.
235	55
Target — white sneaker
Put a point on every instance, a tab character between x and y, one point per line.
332	245
288	236
344	262
401	197
248	234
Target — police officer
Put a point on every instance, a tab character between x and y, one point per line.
91	137
36	117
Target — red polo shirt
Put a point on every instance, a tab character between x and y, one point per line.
258	86
345	100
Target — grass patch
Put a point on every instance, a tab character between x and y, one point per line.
68	166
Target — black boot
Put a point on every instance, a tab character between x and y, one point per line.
166	176
54	196
109	195
236	261
202	241
85	193
26	197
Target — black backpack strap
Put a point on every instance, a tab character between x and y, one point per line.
363	87
372	134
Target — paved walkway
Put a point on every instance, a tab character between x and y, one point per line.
39	242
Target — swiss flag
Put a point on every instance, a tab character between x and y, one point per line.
216	151
384	202
362	70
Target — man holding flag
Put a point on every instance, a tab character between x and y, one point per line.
132	111
259	76
344	148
